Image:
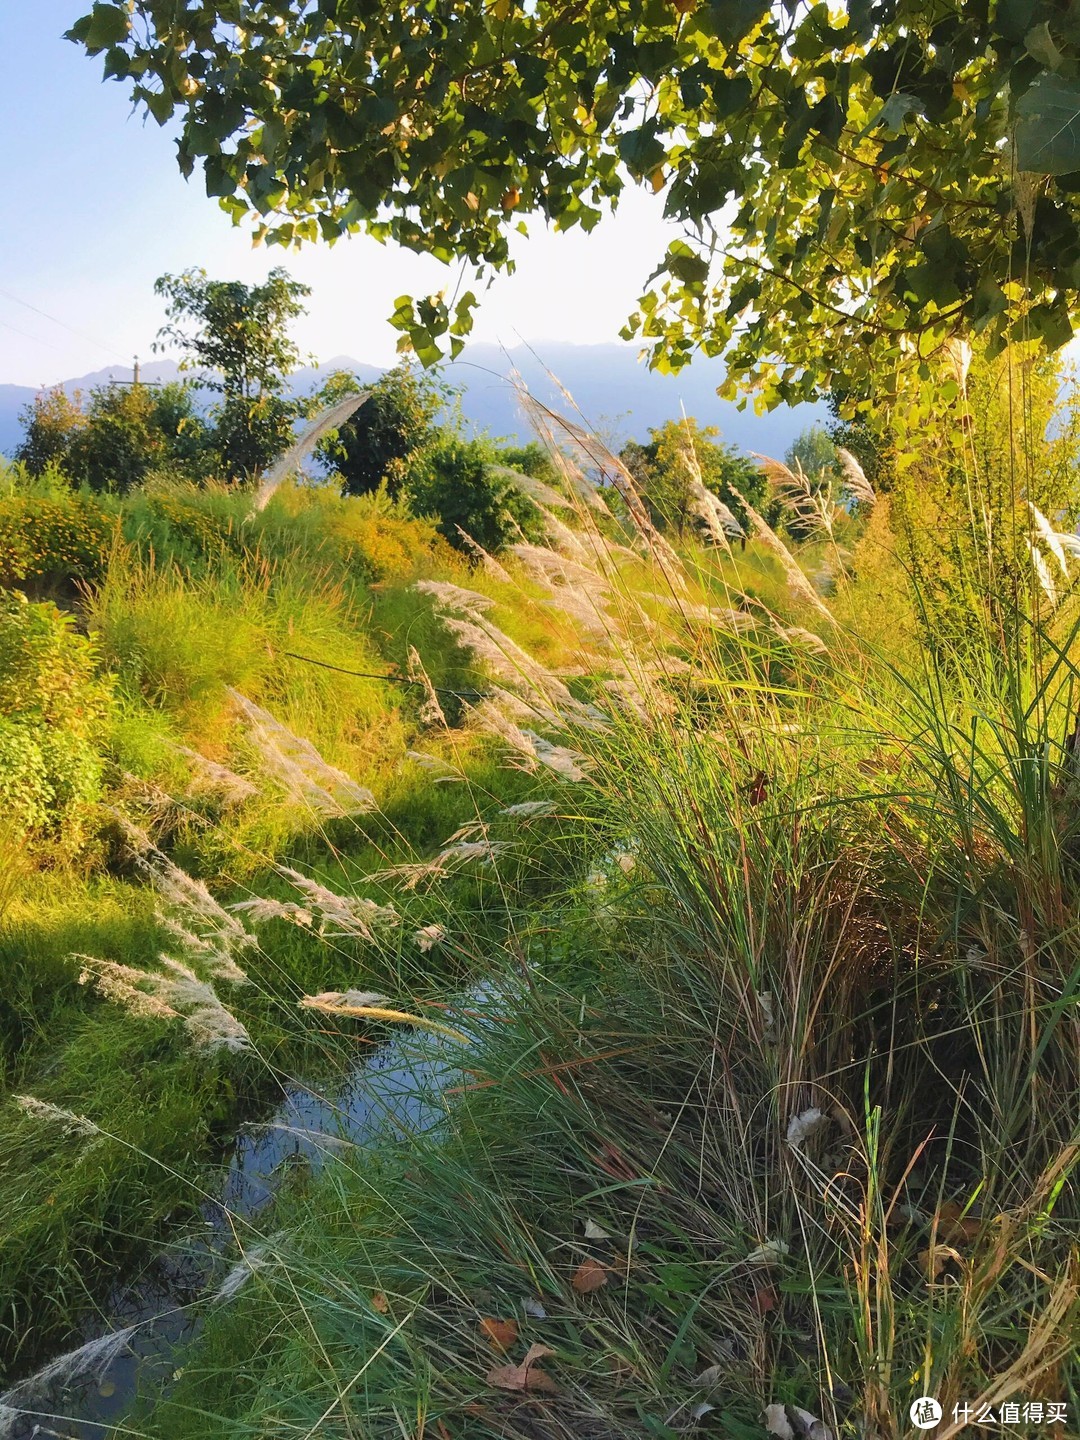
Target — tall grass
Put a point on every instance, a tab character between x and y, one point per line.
774	1103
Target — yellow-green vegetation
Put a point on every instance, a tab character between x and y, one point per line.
734	885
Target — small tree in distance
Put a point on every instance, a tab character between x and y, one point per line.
376	445
237	336
664	479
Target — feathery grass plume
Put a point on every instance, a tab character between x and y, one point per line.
1051	539
555	431
333	1004
535	750
702	503
448	861
255	1259
297	766
88	1361
490	564
487	643
67	1120
215	933
455	597
856	485
792	488
444	770
177	995
1042	573
210	778
209	1024
723	618
261	908
430	713
799	636
527	809
428	936
327	420
529	485
797	581
120	984
343	916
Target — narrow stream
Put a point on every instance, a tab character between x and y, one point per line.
80	1395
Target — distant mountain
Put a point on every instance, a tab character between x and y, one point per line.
611	388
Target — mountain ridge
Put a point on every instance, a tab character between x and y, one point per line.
612	389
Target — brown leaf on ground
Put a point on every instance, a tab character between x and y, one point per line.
953	1225
500	1333
765	1299
526	1377
589	1276
380	1303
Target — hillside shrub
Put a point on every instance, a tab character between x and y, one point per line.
456	483
53	707
49	540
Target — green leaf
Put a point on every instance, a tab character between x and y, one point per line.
1050	324
1048	126
109	25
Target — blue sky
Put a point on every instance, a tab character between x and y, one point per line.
95	209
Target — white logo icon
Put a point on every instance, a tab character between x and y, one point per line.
925	1412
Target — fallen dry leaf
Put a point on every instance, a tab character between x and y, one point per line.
534	1308
788	1422
380	1303
526	1377
500	1333
765	1299
954	1225
770	1253
595	1232
934	1260
589	1276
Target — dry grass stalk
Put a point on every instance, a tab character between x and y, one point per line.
331	1004
299	768
792	488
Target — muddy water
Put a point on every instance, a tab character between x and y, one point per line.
148	1326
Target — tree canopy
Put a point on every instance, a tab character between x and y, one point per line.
855	183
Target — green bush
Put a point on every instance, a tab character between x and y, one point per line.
53	708
52	539
456	482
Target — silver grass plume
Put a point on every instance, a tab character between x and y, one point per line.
430	713
490	564
792	488
797	581
1050	538
209	777
214	932
298	767
66	1120
89	1360
855	482
179	994
327	420
342	916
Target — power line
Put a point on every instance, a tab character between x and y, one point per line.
101	345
